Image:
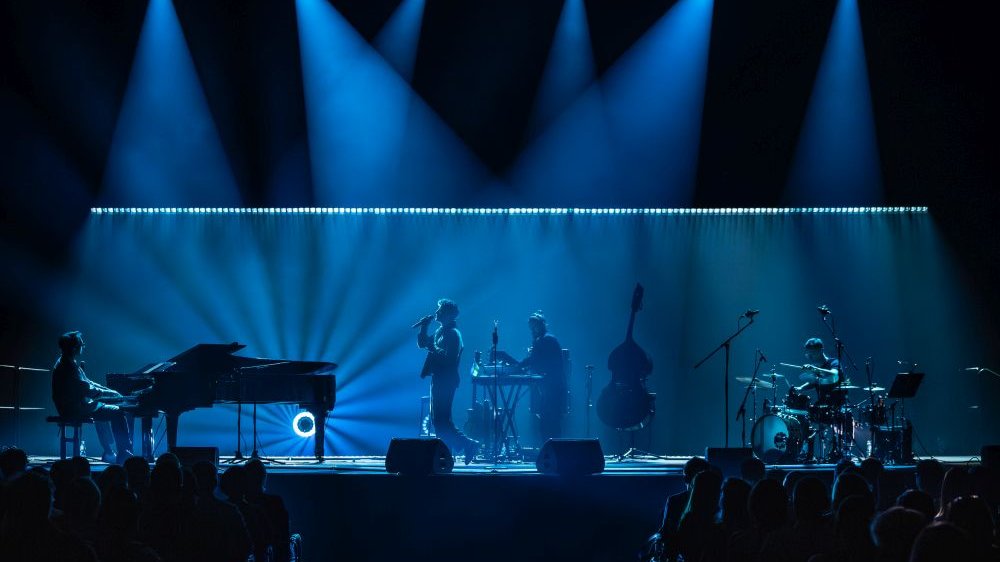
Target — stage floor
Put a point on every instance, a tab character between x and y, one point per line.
669	464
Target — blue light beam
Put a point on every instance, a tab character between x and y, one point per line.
637	130
166	149
397	41
836	161
372	140
569	69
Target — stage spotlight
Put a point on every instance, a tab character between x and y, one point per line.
304	424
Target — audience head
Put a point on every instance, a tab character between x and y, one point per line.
29	500
138	471
972	515
704	499
941	541
256	475
768	504
735	493
234	483
206	477
957	482
168	458
13	461
918	500
113	476
188	484
692	467
893	532
120	513
752	470
871	469
845	465
165	481
62	474
791	478
82	499
930	473
81	467
810	499
847	485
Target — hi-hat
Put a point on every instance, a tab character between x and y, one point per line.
758	383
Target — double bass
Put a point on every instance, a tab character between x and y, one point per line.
625	404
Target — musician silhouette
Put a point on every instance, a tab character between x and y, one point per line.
76	396
545	358
444	350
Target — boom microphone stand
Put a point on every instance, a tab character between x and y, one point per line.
830	322
726	343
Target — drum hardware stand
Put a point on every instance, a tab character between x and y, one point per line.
829	321
727	343
742	412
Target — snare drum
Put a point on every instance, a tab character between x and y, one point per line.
778	438
796	401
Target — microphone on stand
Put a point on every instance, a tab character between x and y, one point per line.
823	310
762	358
973	369
496	335
425	320
750	313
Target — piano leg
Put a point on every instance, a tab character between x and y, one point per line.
319	445
172	431
146	437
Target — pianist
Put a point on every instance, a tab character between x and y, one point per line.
545	358
76	396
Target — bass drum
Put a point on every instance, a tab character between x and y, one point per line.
778	438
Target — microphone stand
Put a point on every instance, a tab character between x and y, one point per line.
828	320
742	412
497	422
726	343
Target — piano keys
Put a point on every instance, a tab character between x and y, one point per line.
209	374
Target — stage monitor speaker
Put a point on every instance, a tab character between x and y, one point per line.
189	456
418	456
728	460
570	457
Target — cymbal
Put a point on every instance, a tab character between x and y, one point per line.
875	388
758	383
775	375
849	387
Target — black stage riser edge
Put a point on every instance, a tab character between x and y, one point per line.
189	456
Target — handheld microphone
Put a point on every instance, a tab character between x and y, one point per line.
750	313
425	320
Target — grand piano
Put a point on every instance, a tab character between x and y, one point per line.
209	374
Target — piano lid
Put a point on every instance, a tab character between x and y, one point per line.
219	358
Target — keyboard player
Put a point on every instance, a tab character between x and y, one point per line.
75	395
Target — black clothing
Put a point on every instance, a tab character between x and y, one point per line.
75	395
444	350
545	358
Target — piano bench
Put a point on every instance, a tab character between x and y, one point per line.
74	440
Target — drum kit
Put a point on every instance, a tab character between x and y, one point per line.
799	429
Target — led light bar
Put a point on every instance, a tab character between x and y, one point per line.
498	211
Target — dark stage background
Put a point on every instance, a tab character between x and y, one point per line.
502	104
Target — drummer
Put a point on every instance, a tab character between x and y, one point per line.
820	372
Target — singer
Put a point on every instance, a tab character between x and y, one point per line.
444	350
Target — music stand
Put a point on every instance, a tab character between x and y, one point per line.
904	386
